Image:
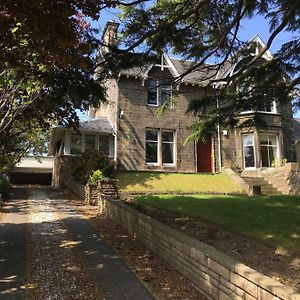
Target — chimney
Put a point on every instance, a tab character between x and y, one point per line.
110	35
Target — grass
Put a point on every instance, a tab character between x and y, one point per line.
154	182
272	219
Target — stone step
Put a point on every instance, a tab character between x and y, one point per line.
266	187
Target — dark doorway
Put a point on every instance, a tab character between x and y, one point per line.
31	178
204	156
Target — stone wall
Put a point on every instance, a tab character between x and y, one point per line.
218	276
94	192
137	116
76	188
286	178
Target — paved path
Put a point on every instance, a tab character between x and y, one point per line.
66	258
13	250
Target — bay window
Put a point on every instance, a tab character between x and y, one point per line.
83	142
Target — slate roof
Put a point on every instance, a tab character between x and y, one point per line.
200	75
96	125
296	122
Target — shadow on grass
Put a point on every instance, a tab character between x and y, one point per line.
129	178
274	219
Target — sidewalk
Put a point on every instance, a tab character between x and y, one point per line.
113	277
87	268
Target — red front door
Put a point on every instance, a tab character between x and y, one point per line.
204	156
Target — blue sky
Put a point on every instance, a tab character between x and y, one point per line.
250	27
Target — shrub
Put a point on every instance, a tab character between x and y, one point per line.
83	165
96	176
4	184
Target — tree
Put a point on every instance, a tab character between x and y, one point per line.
46	70
208	30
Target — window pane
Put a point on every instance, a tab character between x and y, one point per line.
104	143
151	152
76	143
90	142
264	140
249	156
152	135
167	136
248	140
152	92
265	157
166	91
168	153
272	140
248	148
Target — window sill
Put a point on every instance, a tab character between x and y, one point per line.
152	164
260	112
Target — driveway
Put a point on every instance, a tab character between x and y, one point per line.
49	251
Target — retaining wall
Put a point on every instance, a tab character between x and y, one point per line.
218	276
286	178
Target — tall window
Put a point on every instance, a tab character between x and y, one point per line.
248	151
152	146
159	91
76	143
160	147
167	147
104	143
269	149
90	142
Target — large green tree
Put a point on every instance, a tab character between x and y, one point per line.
47	60
207	31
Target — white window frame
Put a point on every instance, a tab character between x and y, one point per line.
270	146
254	150
158	92
68	143
158	142
159	147
173	143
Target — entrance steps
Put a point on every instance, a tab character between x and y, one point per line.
265	187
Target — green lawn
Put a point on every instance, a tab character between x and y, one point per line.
273	219
154	182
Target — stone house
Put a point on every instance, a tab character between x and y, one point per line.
140	140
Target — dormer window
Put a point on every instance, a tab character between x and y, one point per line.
159	91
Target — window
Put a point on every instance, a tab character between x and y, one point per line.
269	149
85	142
90	142
160	147
267	101
167	147
76	143
159	91
248	151
152	146
104	143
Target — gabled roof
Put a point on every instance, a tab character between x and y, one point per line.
202	74
177	67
